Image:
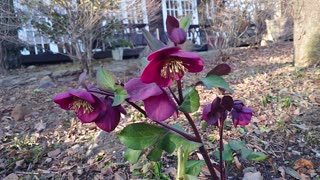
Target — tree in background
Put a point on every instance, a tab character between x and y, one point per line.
306	32
247	22
9	41
75	25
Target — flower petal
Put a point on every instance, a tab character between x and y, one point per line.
159	108
171	23
162	53
99	108
192	61
64	100
109	121
82	94
178	36
152	73
227	102
205	112
138	90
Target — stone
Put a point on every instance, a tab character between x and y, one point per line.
54	153
11	176
31	67
252	176
46	82
20	111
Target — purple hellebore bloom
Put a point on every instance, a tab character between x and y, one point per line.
111	118
87	106
169	64
240	114
217	110
175	33
157	103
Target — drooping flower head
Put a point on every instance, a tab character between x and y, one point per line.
175	33
157	103
169	64
87	106
217	110
90	108
111	118
240	114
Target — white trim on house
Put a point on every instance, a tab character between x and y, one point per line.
181	8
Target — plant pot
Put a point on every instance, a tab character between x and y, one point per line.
117	54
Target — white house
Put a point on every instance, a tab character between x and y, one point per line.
136	15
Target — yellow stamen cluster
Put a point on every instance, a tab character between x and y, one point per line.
173	67
80	103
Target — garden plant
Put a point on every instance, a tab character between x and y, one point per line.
158	95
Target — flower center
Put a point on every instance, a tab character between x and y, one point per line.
80	103
173	67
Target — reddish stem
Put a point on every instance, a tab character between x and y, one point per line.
222	169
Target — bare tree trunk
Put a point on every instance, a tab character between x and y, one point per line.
3	68
306	32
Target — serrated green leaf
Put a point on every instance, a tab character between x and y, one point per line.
194	167
245	152
236	145
132	155
185	22
257	156
153	43
140	136
216	81
105	79
191	101
173	141
120	95
226	153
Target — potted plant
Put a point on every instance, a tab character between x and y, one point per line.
118	48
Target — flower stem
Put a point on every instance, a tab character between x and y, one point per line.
182	133
222	169
202	149
174	96
179	86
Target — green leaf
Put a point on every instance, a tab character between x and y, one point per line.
132	155
236	145
154	43
173	141
185	22
140	136
216	81
155	154
105	79
191	101
190	177
257	156
245	152
120	94
226	153
194	167
157	168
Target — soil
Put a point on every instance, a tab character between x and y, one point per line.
38	140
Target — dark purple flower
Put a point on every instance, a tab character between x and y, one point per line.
169	64
157	103
87	106
111	118
175	33
240	114
217	110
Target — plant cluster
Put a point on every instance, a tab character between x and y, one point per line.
158	95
